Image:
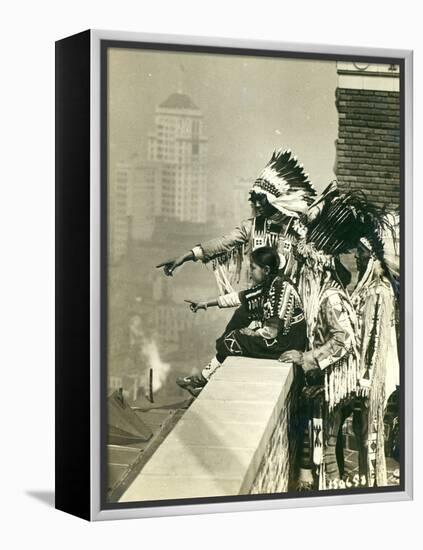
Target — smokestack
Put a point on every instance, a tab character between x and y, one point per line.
135	389
150	386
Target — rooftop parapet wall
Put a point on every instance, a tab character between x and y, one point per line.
233	439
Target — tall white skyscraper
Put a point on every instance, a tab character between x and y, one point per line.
177	149
171	183
178	142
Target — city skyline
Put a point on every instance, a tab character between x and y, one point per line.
235	94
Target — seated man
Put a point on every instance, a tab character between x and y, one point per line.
274	302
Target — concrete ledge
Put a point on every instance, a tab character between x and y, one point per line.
217	447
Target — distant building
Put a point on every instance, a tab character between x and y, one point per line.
178	141
171	183
148	178
241	194
119	190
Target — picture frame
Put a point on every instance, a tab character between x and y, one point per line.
83	168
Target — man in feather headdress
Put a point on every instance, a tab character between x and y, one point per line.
374	301
337	221
280	196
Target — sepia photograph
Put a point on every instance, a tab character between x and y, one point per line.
252	280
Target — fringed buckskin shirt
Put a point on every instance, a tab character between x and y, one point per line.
333	347
334	332
277	231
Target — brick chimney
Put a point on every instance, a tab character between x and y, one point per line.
368	144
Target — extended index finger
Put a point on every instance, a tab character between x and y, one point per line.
164	263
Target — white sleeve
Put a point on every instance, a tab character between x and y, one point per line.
229	300
198	253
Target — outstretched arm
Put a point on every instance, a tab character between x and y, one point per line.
195	306
212	248
223	245
227	300
169	266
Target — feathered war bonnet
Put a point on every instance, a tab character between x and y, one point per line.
338	222
285	184
384	245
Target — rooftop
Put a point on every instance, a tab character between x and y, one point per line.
237	437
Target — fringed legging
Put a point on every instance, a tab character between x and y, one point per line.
332	436
360	428
334	430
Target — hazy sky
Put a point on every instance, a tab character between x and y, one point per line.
251	106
